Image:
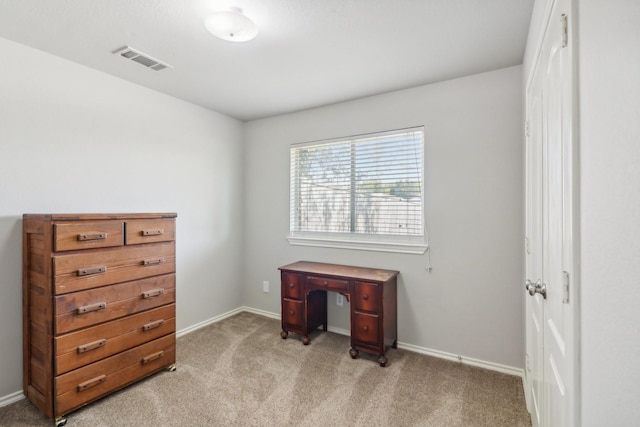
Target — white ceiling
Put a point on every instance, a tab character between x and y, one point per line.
308	53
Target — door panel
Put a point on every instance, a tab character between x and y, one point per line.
534	304
558	264
550	227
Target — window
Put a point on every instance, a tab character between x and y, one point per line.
362	192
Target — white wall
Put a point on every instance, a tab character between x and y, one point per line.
609	60
471	303
76	140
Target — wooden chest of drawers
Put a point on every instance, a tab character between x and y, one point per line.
372	293
98	305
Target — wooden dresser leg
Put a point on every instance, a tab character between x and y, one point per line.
284	334
353	353
306	340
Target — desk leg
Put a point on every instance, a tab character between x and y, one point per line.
382	360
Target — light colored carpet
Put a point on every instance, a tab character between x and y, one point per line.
239	372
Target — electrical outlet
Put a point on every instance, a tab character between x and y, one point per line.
340	300
265	286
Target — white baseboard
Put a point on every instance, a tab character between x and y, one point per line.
262	312
463	359
207	322
422	350
18	395
11	398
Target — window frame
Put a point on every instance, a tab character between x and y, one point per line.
411	244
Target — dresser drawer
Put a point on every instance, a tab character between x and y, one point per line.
292	312
329	284
85	384
91	344
364	328
366	297
91	269
71	236
149	231
89	307
292	286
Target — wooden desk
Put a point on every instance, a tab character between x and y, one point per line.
372	293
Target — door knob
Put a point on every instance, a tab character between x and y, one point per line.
530	287
536	288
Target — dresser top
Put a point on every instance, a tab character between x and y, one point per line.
357	273
99	216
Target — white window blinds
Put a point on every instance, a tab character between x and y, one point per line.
366	187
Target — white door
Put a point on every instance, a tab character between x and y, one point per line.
551	227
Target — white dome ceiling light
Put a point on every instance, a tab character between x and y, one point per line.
231	25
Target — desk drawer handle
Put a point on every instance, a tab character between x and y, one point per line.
152	357
153	293
155	261
93	236
92	270
291	285
92	307
365	297
291	312
91	346
92	382
325	283
153	325
365	328
154	232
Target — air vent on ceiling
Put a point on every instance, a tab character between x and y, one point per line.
142	58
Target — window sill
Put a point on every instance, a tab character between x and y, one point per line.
361	245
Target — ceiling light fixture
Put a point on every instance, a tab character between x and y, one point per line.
231	25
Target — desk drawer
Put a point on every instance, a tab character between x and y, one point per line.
292	286
88	383
364	328
366	297
91	269
330	284
80	348
292	312
72	311
72	236
140	231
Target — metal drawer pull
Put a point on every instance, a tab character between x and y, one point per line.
155	261
153	293
291	312
93	236
155	232
152	357
291	285
365	297
92	270
95	381
152	325
92	307
365	328
325	283
91	346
